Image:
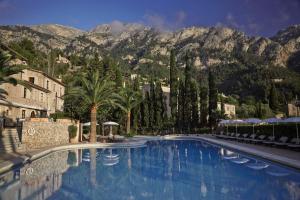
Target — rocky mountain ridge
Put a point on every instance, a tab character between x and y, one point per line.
136	44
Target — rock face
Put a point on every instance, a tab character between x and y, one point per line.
136	42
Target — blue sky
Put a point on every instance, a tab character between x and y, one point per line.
255	17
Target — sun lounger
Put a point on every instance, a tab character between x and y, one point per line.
250	138
236	136
294	144
259	139
282	141
244	136
269	141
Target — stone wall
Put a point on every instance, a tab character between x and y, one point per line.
39	134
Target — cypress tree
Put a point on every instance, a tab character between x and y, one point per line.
273	99
150	110
159	104
187	94
213	98
195	105
180	113
136	111
203	106
173	86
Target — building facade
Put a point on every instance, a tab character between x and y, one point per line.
42	98
229	109
293	109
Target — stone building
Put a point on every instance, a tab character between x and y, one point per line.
229	109
293	109
43	97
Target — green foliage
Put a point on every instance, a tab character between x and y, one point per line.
173	85
273	101
203	106
6	72
72	131
213	98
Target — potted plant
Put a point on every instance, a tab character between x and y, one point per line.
72	133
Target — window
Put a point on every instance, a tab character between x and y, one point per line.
42	97
60	91
54	87
31	80
23	114
47	85
25	92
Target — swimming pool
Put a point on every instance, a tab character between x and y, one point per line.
165	169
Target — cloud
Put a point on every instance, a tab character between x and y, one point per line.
156	21
161	23
117	27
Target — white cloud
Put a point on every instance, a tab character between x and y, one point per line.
117	27
160	23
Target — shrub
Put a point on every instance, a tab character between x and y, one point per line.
72	131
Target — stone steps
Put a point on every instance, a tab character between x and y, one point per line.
10	141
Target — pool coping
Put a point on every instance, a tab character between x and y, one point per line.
251	151
140	141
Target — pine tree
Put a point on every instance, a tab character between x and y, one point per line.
273	98
173	86
203	106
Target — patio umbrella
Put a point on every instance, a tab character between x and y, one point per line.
294	120
253	121
236	122
273	121
110	124
225	122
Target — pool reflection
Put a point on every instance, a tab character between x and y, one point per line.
162	170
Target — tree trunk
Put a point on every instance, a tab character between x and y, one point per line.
93	136
128	122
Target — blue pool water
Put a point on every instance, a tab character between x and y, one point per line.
161	170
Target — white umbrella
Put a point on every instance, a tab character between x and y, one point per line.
110	124
273	121
253	121
294	120
236	122
225	122
88	124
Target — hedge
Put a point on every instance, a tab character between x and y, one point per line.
288	130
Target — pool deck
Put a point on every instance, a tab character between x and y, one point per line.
283	156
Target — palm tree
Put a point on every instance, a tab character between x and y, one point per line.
6	72
93	92
126	101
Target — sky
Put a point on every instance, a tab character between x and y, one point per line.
254	17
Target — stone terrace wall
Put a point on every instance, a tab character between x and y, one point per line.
38	134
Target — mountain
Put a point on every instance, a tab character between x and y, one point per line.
58	30
136	43
241	62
